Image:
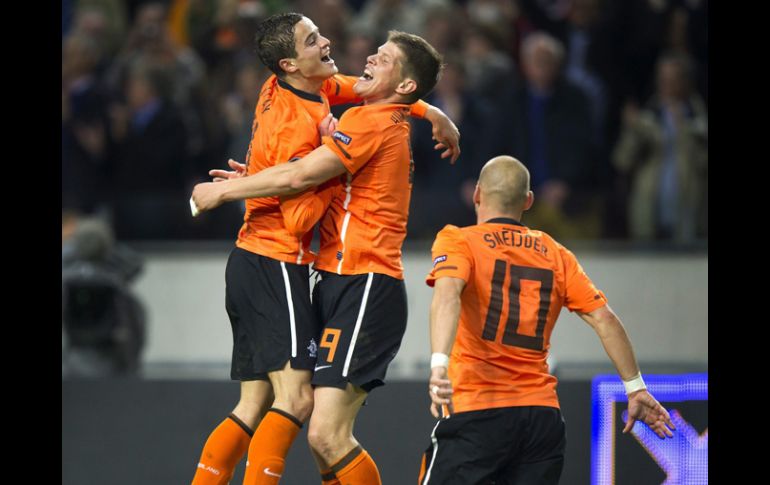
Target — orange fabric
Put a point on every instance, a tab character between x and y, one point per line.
365	224
499	354
285	128
223	450
268	449
339	90
361	471
421	475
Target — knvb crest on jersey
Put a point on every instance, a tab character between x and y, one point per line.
312	348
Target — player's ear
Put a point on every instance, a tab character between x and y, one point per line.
407	86
477	195
530	200
288	65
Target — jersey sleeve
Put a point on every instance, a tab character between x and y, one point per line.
356	139
291	142
581	294
339	90
418	109
451	256
302	211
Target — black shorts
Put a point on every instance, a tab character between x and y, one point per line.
273	321
364	319
501	446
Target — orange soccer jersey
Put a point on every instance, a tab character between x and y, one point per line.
517	280
285	128
365	225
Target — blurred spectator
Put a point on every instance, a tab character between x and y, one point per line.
379	16
489	70
238	109
150	163
149	41
103	322
102	20
663	149
441	191
549	125
84	125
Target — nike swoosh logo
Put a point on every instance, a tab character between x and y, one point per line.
268	472
319	367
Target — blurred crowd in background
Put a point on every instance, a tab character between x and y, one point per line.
604	100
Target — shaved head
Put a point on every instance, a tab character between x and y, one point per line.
504	184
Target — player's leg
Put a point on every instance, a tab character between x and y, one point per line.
330	435
280	426
288	351
366	320
227	444
466	448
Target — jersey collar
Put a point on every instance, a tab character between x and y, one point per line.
504	220
301	94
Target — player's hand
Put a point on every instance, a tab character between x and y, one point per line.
440	391
206	196
328	125
644	407
239	170
445	133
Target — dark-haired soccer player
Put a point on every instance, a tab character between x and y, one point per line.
275	332
361	297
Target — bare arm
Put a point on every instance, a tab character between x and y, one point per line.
285	179
445	133
641	404
613	335
444	317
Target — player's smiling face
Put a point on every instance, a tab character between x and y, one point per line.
313	51
382	74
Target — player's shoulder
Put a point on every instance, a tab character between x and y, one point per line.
452	233
377	114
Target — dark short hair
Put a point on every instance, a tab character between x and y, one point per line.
421	62
274	40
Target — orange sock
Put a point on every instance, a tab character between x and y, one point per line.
268	449
357	468
223	450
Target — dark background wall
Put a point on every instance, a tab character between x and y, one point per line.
122	432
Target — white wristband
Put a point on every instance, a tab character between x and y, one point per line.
437	359
635	384
194	208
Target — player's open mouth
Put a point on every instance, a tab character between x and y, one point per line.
327	59
366	76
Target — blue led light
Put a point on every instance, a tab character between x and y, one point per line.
684	458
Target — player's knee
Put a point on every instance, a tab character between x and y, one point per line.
298	403
321	437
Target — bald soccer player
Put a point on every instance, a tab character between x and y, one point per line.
498	288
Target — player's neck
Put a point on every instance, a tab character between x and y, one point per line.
483	215
312	86
392	99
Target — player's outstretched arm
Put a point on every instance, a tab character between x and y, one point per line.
284	179
641	404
